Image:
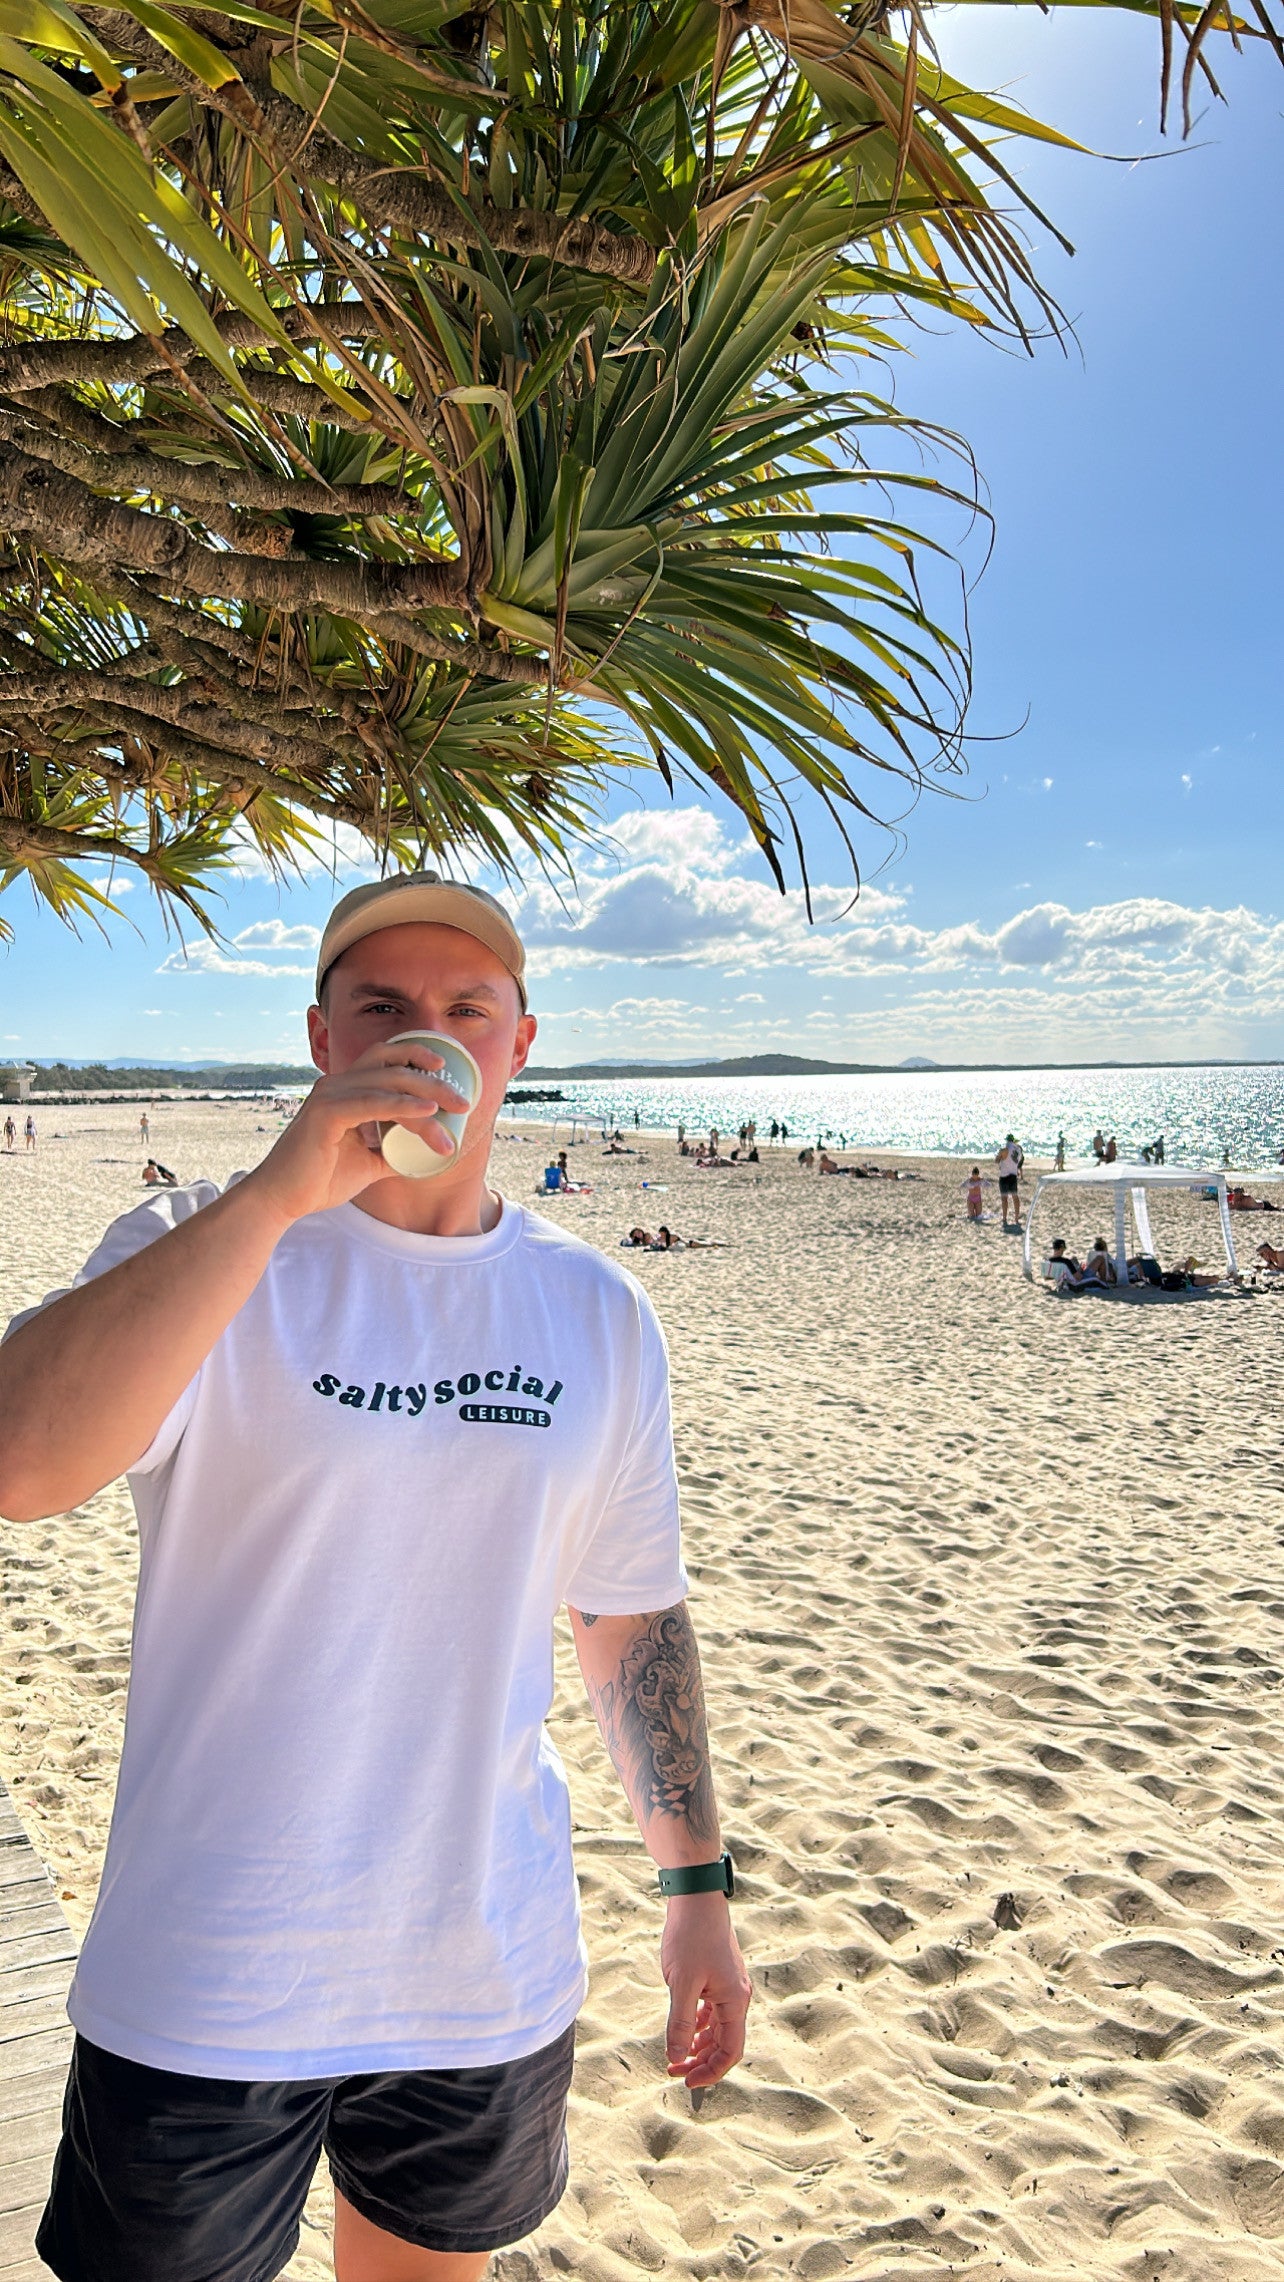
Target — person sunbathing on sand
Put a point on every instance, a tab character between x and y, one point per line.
1190	1270
1098	1268
1272	1257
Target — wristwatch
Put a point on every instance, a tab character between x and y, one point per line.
701	1878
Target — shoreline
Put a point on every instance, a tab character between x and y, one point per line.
786	1153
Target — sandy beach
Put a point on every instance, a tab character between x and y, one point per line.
989	1587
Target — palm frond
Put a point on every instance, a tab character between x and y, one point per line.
412	416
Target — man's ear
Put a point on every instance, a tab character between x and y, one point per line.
522	1044
319	1039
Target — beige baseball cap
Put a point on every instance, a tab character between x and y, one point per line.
411	896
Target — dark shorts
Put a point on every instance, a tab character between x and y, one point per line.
1008	1183
166	2178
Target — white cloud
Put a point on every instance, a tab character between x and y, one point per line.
671	897
274	935
1141	975
696	836
265	935
667	910
207	959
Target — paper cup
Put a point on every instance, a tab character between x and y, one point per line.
408	1152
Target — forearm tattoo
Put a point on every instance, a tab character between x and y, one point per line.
652	1717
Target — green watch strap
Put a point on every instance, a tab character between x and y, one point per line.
701	1878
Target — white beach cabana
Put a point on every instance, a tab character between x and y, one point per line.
1125	1187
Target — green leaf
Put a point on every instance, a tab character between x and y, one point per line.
187	46
49	24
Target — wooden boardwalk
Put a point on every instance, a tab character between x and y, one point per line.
37	1953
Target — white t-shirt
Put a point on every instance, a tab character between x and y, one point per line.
341	1839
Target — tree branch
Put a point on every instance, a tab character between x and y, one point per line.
219	767
178	704
69	518
201	644
20	839
26	365
470	657
281	393
104	456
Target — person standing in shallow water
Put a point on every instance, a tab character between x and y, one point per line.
339	1907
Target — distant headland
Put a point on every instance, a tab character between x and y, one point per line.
801	1066
126	1078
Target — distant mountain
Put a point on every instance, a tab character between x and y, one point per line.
742	1066
618	1062
918	1062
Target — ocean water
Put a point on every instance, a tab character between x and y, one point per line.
1201	1112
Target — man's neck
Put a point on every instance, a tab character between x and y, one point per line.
457	1203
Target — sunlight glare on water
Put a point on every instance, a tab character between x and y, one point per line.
1201	1112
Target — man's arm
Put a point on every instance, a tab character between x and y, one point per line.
643	1679
86	1383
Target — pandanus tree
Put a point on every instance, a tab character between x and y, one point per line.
412	413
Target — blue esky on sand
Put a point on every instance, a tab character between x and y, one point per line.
1108	883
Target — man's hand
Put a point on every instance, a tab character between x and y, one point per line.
643	1679
329	1152
709	1989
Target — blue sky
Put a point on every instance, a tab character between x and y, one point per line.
1109	883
